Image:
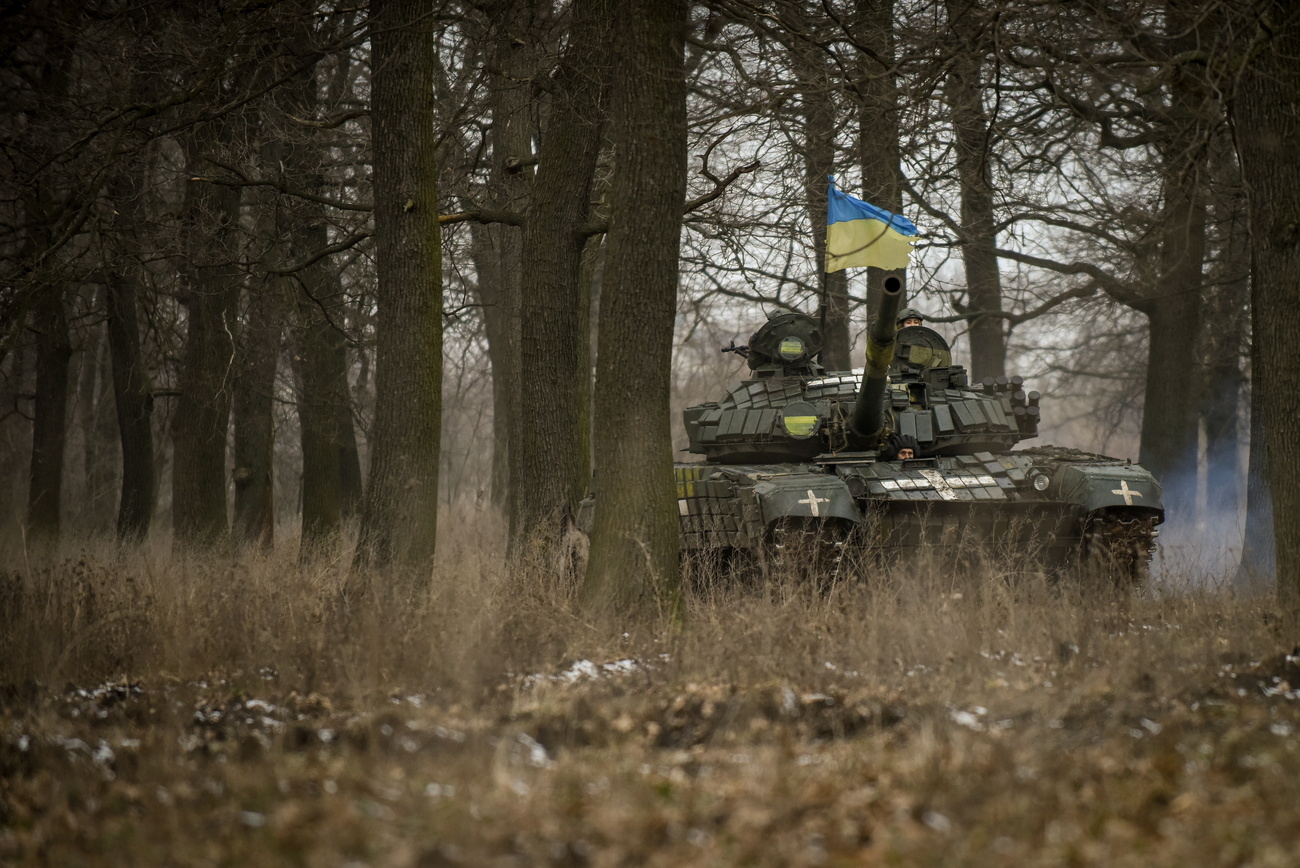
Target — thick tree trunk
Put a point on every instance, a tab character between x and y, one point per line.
208	373
254	433
815	85
972	138
1268	124
1171	408
330	469
876	94
53	355
1169	414
514	110
633	561
400	513
1223	341
15	435
133	395
553	467
1257	573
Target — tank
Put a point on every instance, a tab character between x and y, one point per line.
797	469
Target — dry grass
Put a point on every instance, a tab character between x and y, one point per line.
209	711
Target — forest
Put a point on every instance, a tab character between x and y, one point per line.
319	320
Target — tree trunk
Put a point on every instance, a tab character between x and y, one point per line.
1224	338
1170	412
53	355
15	433
1268	124
254	433
1257	572
328	442
514	109
972	139
1171	408
814	83
133	395
876	95
202	420
400	513
94	514
633	562
553	467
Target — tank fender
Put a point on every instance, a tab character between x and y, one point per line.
1094	487
808	496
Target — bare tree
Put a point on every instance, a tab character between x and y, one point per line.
400	512
553	466
633	562
210	294
1266	105
971	29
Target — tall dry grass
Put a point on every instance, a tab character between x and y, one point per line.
164	708
101	612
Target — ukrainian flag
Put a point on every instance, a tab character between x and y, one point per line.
859	234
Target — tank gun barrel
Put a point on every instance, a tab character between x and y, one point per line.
869	413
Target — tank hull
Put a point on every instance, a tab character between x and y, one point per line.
1045	509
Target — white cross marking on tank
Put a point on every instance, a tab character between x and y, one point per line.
1125	492
813	500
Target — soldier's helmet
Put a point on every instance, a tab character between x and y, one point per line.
908	313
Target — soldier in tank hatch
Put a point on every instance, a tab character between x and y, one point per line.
900	447
910	316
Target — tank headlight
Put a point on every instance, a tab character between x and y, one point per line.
791	348
800	419
1041	481
800	426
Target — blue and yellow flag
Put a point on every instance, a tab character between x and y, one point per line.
859	234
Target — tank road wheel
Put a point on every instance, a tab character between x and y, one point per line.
1118	546
806	552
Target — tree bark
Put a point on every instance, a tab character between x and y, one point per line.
972	139
1171	408
254	433
1257	572
99	459
320	344
133	395
633	561
400	512
808	60
202	421
514	109
876	94
554	466
49	428
15	434
1224	337
1267	120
